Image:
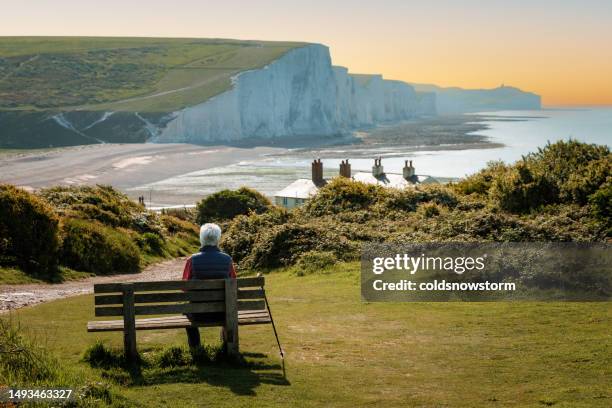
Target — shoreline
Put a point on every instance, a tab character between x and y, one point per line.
175	174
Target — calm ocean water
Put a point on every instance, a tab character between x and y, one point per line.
520	132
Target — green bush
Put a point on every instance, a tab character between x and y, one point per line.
244	230
564	172
104	204
175	225
581	185
521	189
227	204
29	230
283	244
92	247
342	194
430	210
410	198
151	243
601	201
481	182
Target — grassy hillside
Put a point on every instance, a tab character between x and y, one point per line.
345	353
128	74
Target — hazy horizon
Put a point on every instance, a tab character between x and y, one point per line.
559	51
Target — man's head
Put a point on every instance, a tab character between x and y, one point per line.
210	234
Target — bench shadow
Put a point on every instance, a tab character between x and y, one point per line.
240	378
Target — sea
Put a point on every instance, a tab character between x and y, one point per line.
515	133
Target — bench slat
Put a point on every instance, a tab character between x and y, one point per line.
163	309
207	295
161	285
180	308
251	305
178	285
256	281
172	322
250	294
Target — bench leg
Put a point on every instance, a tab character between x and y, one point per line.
129	326
231	318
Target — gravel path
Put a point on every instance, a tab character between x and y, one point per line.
18	296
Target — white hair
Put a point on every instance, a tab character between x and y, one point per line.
210	234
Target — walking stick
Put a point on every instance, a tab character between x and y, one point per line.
280	349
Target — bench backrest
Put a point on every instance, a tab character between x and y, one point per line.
175	297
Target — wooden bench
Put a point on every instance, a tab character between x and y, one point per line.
242	301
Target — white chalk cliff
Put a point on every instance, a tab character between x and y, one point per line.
299	94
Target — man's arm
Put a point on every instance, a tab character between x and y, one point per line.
188	270
232	270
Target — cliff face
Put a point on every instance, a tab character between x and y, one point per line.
300	94
458	100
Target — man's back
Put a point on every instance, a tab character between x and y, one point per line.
211	263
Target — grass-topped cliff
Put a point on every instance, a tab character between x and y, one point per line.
130	74
64	91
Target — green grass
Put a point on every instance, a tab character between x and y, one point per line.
341	352
123	74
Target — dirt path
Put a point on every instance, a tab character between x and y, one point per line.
18	296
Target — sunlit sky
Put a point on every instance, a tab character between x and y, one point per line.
560	49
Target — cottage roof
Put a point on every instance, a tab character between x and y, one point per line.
300	188
386	180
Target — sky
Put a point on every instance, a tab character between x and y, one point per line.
560	49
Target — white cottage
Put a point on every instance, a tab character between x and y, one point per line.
296	193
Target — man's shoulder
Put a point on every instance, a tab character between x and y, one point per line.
216	253
225	255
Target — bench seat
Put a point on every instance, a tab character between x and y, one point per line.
246	317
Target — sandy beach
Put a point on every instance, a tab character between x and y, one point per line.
125	166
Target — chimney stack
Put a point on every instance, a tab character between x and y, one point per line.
317	172
345	169
377	169
408	170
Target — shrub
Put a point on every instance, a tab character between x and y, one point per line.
314	261
227	204
430	210
282	245
480	183
175	225
243	231
29	229
104	204
151	243
601	202
409	199
581	185
343	194
92	247
563	159
521	189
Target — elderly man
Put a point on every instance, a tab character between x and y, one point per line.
209	263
